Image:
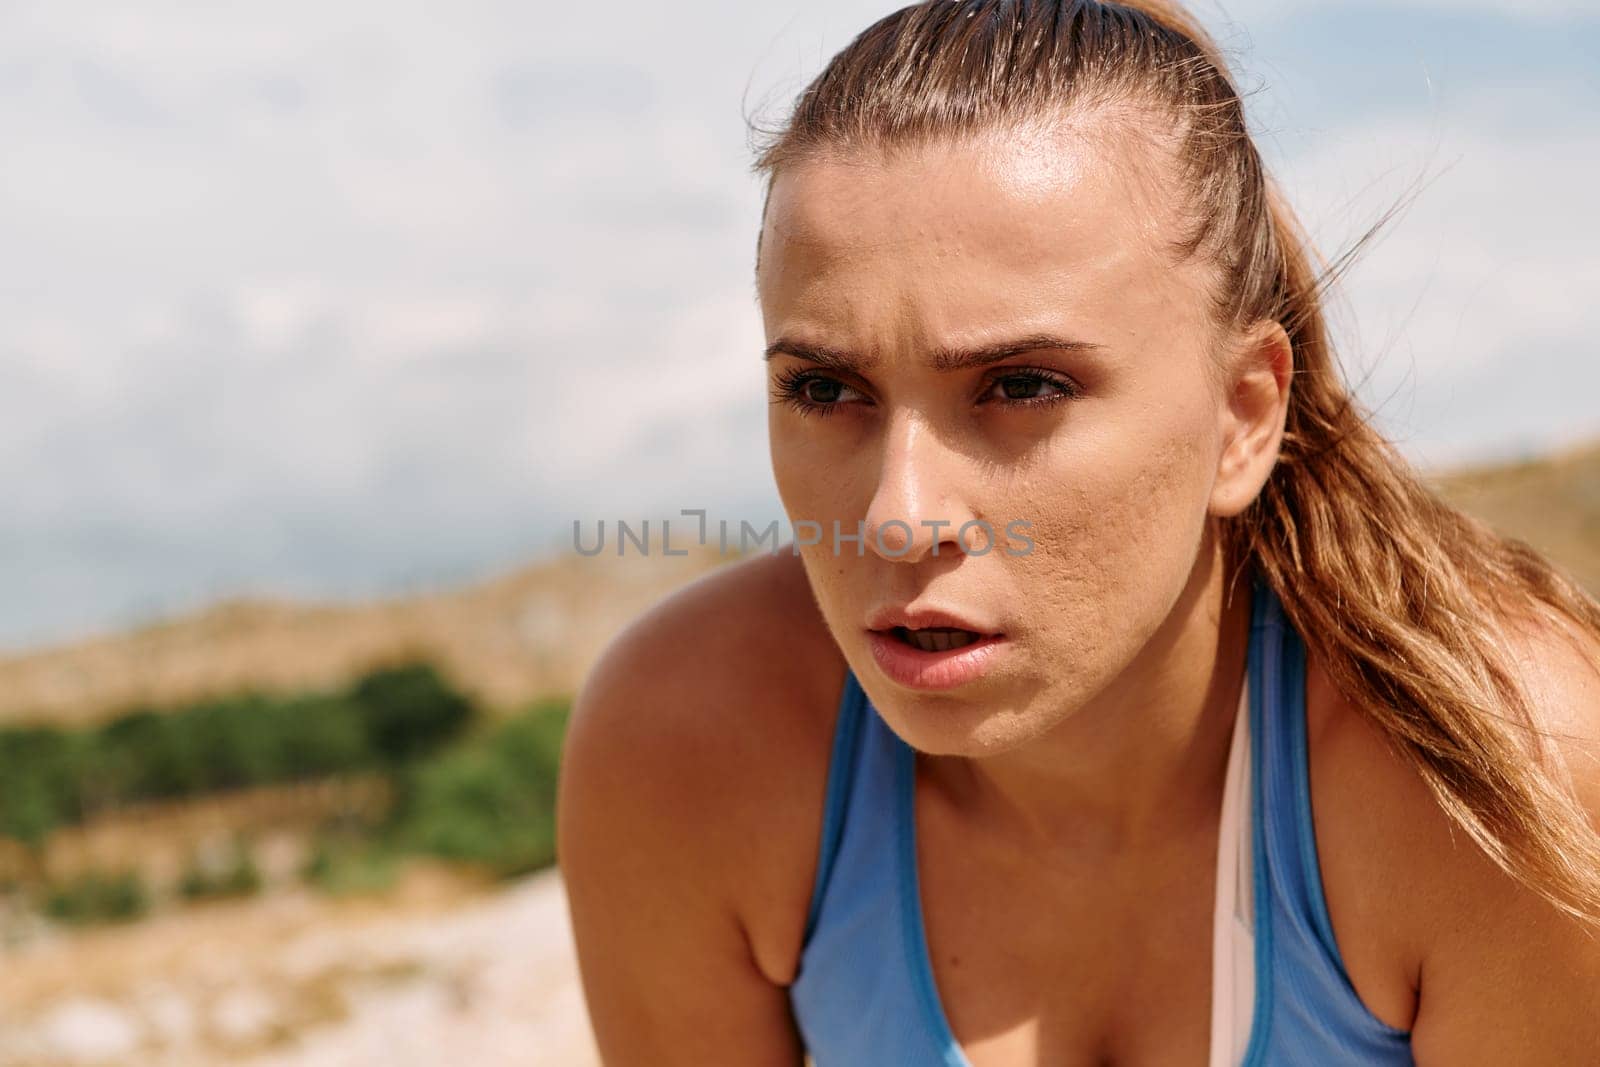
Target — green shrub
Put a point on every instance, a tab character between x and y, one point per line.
490	800
41	771
147	755
322	735
29	809
97	897
238	741
408	710
391	716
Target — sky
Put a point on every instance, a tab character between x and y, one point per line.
363	299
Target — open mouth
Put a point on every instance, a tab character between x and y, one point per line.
935	657
936	638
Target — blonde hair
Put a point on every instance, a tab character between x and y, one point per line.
1404	598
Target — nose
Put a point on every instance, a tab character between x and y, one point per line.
916	509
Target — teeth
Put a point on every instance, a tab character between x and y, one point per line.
939	640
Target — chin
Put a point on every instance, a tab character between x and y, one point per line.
953	725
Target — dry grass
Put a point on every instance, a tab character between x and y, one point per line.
527	634
1553	503
160	839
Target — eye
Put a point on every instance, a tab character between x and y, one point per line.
1029	387
822	391
811	393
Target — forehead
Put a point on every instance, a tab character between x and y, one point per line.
1022	223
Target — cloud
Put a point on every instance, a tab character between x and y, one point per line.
337	301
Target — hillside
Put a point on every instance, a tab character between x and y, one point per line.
1553	503
526	634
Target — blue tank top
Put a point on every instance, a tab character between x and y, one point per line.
864	995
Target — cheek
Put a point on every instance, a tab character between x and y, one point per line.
795	468
824	467
812	491
1118	521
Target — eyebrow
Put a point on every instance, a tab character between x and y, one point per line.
940	359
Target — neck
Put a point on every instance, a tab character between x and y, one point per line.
1146	759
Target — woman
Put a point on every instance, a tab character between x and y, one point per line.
1250	750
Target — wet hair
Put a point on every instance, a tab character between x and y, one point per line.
1406	599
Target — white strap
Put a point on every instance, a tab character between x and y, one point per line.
1233	960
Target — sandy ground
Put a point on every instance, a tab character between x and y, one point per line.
439	974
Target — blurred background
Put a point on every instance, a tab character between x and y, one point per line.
321	324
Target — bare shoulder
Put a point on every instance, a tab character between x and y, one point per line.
1436	938
701	738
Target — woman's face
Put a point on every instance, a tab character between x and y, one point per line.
993	331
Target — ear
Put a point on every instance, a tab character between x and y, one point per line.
1255	404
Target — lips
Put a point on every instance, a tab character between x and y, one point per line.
926	619
929	648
